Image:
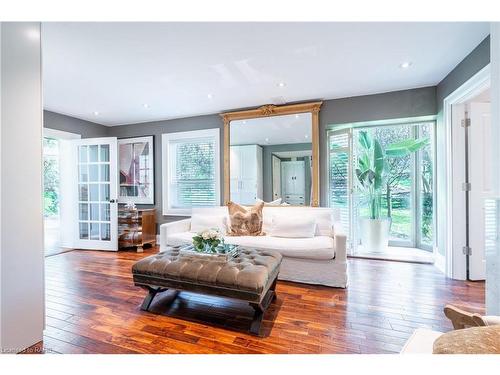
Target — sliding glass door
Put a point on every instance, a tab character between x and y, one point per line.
407	192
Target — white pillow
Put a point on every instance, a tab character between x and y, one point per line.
275	202
199	223
293	226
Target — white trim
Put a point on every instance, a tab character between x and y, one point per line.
476	84
59	134
138	200
165	140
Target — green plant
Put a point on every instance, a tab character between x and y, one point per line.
207	240
373	164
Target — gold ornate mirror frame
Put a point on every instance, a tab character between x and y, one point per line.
275	110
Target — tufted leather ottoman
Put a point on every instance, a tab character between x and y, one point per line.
251	277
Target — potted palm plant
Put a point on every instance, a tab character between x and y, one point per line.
371	174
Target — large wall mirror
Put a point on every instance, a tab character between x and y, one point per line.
272	153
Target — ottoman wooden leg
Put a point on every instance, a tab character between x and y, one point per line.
260	309
149	298
257	319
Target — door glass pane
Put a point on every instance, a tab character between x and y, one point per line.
94	231
84	211
84	192
426	184
105	232
339	176
105	173
93	153
83	154
105	212
398	187
104	192
94	211
93	172
84	231
84	174
104	152
94	192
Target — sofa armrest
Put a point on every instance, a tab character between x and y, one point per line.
168	229
340	242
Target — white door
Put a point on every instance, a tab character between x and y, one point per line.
276	170
96	184
481	184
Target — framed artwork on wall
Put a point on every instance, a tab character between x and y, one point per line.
136	162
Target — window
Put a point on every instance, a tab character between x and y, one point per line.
408	190
191	171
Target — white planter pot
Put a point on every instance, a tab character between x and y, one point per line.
374	234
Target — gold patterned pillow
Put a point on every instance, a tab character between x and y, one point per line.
245	221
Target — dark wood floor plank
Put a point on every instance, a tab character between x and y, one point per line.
93	307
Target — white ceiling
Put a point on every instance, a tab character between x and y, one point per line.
115	68
276	130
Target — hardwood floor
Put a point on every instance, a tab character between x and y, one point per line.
93	307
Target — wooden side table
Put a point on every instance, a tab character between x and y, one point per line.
136	228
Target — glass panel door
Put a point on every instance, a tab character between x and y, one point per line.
339	143
97	194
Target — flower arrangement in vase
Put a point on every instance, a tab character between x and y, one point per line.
208	241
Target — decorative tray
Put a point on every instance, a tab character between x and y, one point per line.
223	253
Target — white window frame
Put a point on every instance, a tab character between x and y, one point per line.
165	147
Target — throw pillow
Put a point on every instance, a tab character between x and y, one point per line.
276	202
293	226
245	221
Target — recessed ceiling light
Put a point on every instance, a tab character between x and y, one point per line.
146	105
96	113
210	96
296	116
244	122
267	140
306	136
281	84
405	64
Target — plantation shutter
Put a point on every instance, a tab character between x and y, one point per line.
192	177
339	175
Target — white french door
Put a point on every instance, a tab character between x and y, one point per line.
95	225
480	177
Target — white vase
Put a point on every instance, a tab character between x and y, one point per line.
374	234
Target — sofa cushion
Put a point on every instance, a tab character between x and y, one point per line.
319	247
293	226
324	217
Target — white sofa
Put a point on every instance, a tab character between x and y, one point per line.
315	260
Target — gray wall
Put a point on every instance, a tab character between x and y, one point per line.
390	105
473	63
267	165
70	124
157	128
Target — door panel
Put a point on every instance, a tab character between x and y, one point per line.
481	185
97	193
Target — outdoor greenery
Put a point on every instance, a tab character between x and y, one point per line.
50	177
380	168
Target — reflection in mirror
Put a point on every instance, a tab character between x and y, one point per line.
270	159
